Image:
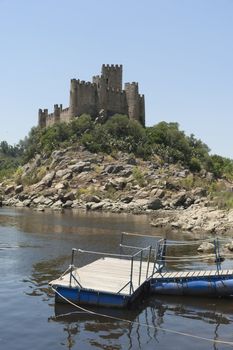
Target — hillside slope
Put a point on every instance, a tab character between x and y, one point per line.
76	178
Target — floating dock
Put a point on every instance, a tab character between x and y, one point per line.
107	282
118	280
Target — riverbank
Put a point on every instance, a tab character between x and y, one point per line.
74	178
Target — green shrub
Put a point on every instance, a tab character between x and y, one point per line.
139	176
195	165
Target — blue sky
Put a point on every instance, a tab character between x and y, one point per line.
180	52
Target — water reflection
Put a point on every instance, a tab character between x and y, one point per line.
42	273
148	320
35	248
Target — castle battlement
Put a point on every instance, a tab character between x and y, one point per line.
132	84
116	91
112	66
85	83
104	94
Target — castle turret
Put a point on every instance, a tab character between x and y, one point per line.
142	110
42	118
73	98
112	76
56	113
132	98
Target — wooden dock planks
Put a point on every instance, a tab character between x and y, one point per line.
112	274
190	274
108	275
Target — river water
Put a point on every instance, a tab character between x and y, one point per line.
35	248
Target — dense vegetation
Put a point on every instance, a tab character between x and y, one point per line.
10	158
165	141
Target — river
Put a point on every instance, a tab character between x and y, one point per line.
35	248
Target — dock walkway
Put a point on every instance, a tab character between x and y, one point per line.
108	275
118	280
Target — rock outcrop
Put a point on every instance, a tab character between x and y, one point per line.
75	178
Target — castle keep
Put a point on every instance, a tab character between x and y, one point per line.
103	98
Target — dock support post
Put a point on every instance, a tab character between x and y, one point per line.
217	254
122	237
131	277
140	268
148	262
72	264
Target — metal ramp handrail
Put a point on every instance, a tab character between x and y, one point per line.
162	258
131	257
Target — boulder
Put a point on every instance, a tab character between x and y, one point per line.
80	167
92	198
57	154
69	196
49	192
39	200
131	161
32	165
160	222
40	208
114	168
118	184
176	225
157	192
182	173
57	205
94	206
63	172
199	192
19	204
48	202
211	226
61	186
155	204
127	199
47	180
9	189
229	246
206	247
179	200
126	172
27	202
18	188
67	204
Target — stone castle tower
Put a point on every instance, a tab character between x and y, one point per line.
103	97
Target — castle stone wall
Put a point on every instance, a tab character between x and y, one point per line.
116	102
65	116
86	99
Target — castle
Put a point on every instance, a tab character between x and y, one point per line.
102	98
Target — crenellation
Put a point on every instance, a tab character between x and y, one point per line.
103	94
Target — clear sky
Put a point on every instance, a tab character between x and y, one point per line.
180	52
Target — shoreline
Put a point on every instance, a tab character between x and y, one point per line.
73	178
195	220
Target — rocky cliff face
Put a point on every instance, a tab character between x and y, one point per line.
77	179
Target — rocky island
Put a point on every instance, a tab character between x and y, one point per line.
97	154
76	178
